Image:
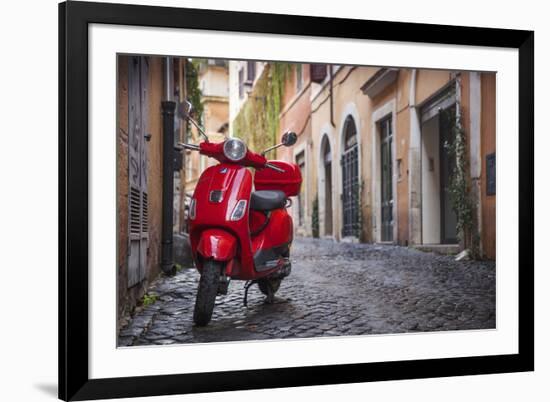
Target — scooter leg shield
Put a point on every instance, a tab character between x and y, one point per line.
217	244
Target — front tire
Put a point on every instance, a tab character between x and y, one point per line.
207	291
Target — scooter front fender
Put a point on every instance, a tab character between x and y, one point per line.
217	244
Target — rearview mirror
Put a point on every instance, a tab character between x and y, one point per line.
185	109
289	138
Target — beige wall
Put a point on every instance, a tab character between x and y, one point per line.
320	127
402	136
347	100
429	82
215	84
295	116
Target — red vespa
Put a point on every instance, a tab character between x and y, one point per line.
235	232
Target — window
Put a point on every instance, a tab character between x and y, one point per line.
318	72
350	180
301	162
250	71
241	83
350	137
299	78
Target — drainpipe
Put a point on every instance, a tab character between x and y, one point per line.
168	107
331	74
415	166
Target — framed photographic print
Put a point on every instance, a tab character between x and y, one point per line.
258	200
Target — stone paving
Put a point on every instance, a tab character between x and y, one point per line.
334	289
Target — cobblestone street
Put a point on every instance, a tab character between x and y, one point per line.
334	289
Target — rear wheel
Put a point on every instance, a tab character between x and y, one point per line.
207	291
269	286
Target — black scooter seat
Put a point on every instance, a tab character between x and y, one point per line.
267	200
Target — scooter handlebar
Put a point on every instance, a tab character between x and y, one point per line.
189	146
215	150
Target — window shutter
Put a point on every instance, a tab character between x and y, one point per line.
250	71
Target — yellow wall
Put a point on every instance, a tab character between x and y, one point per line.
347	91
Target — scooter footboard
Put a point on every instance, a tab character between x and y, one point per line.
217	244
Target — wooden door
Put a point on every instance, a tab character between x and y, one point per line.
137	168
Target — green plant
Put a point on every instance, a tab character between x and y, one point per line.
315	218
148	299
258	120
193	92
463	202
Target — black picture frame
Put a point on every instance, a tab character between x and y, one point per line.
74	18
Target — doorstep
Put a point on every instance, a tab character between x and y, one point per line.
447	249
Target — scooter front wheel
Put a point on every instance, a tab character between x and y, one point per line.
207	291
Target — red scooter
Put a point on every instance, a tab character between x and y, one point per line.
235	232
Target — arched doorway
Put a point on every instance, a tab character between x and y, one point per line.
350	179
327	169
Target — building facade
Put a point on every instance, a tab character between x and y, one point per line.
149	171
213	77
376	152
295	116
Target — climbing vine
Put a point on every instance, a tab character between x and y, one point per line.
258	121
194	94
460	193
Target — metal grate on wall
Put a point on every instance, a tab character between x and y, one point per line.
135	213
145	213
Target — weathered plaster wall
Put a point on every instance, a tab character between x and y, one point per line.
402	136
154	168
122	183
295	116
321	126
350	100
488	146
129	297
429	81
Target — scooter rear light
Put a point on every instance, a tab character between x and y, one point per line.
192	208
239	210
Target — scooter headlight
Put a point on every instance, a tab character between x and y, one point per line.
234	149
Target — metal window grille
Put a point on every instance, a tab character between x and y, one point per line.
350	180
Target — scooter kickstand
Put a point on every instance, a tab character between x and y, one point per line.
246	287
